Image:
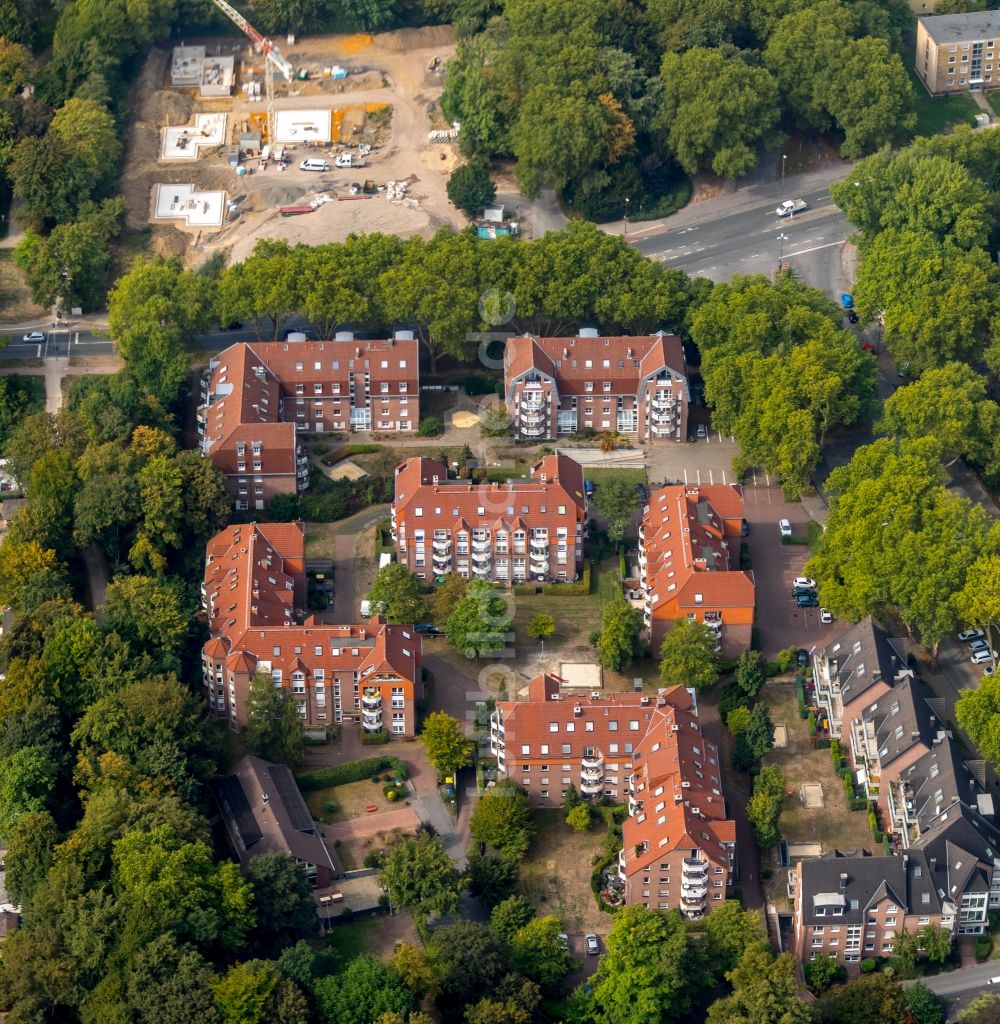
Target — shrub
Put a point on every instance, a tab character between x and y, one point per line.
811	725
984	946
823	742
430	426
375	739
867	965
374	859
473	384
856	803
471	187
350	771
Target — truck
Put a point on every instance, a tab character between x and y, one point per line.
790	206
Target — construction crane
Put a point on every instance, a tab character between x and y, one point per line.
272	60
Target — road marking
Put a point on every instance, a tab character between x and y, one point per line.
802	252
707	269
39	354
648	231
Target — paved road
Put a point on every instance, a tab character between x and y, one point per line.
750	239
959	988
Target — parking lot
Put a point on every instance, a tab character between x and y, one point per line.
707	460
780	623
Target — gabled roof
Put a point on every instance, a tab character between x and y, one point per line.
861	657
850	883
902	719
960	848
938	780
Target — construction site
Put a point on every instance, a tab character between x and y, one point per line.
347	137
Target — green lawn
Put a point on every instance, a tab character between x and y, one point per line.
597	476
348	940
939	114
994	101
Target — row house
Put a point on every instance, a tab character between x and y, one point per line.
254	594
259	398
632	386
689	564
679	847
521	530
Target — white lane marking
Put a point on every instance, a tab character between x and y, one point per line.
802	252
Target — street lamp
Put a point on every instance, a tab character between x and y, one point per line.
782	238
784	157
626	217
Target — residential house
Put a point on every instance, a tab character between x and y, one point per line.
632	386
508	533
959	53
259	398
263	812
254	595
678	845
689	563
855	669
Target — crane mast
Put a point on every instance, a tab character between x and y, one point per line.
272	59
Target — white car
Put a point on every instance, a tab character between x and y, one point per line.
592	947
784	528
34	337
702	430
971	634
825	616
982	657
804	581
978	645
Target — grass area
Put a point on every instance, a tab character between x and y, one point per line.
349	801
348	940
576	615
994	101
832	825
321	540
555	873
598	476
939	114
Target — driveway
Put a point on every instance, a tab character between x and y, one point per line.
348	588
780	623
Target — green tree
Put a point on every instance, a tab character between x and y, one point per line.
514	1001
936	943
759	732
764	988
578	818
923	1006
16	65
618	641
27	778
502	820
654	970
738	720
538	954
978	602
30	844
282	901
480	621
147	614
395	594
243	992
541	627
823	971
360	993
717	108
170	981
687	655
471	187
764	806
616	499
445	596
510	916
731	931
274	728
982	1010
163	883
870	997
419	876
492	879
413	967
28	570
445	743
471	960
751	672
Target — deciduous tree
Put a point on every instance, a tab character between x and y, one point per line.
687	655
538	954
274	728
618	641
616	499
764	988
282	901
480	622
445	743
502	819
395	594
359	993
418	875
471	187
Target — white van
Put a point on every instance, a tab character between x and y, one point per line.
366	609
314	164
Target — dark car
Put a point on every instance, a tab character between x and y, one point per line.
803	592
852	316
640	490
802	658
428	629
807	601
744	529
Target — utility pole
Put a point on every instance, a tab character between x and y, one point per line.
626	218
782	238
784	157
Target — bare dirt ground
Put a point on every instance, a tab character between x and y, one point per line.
15	295
393	69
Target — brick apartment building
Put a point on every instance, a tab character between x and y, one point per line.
959	53
254	594
678	845
689	563
510	532
632	386
259	397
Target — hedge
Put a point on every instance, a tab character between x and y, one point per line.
347	450
579	588
350	771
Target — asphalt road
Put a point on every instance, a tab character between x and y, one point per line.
749	240
960	987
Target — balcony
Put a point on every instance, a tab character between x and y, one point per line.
533	431
592	788
480	544
481	556
693	869
371	700
441	561
592	761
442	546
621	865
371	721
902	812
661	431
663	401
533	412
540	544
662	417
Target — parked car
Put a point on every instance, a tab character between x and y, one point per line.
314	164
804	581
744	528
563	940
784	528
807	601
978	645
847	300
982	657
825	616
852	316
592	947
33	337
803	592
802	658
642	492
702	430
428	628
971	634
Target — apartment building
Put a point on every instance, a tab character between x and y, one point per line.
254	596
678	845
689	563
258	398
959	53
855	669
632	386
521	530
